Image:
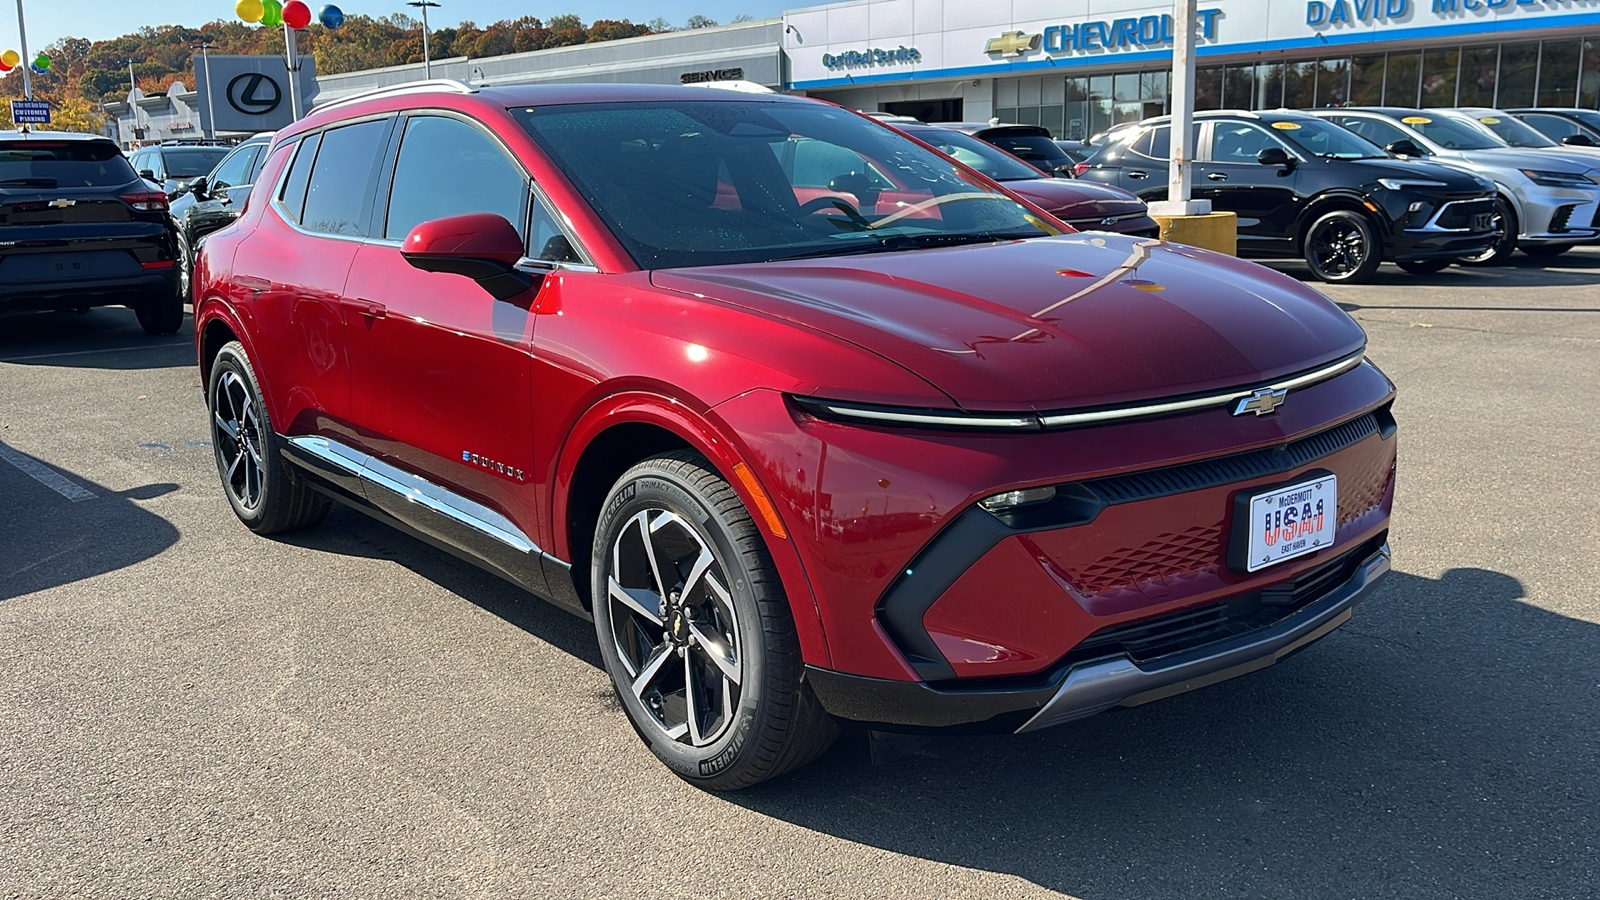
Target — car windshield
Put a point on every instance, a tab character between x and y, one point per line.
66	164
980	155
1515	132
720	182
193	163
1326	140
1450	134
1035	148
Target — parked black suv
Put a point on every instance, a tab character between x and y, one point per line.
1302	187
214	200
79	228
175	164
1029	143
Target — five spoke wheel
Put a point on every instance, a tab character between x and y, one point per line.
236	434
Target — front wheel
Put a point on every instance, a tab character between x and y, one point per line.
1343	248
695	629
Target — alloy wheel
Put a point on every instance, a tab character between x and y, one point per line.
674	626
1338	248
236	434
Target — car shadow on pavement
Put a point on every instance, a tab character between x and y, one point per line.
102	338
1442	744
1568	270
48	538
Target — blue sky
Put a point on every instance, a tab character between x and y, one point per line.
50	20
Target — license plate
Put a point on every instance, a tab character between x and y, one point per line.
1292	521
1482	221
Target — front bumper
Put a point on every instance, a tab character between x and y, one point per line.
1082	689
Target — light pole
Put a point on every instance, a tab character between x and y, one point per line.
211	108
427	58
27	64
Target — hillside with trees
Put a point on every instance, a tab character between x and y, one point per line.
85	73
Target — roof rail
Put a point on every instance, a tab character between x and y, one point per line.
430	85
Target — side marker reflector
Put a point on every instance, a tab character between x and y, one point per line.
763	505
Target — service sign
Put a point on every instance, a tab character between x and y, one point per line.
30	112
871	41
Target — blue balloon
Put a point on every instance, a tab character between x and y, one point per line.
330	16
36	69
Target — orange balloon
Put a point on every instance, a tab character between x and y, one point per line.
11	58
249	10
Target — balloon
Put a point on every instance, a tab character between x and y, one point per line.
11	58
248	10
36	69
271	13
331	17
41	63
5	68
296	14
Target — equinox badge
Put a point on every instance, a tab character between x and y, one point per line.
1261	402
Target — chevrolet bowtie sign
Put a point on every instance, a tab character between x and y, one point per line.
1013	43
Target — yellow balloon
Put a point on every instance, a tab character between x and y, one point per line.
10	58
249	10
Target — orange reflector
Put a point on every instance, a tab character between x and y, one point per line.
1368	205
763	505
159	264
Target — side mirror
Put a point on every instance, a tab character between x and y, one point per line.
1275	156
1405	147
147	174
1578	140
198	188
482	246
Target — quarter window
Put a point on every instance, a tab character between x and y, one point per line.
449	168
235	169
339	190
293	197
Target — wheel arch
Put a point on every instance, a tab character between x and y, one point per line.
1323	204
625	429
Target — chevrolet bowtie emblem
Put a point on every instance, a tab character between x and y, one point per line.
1013	43
62	204
1261	402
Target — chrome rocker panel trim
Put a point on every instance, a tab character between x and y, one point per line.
1097	687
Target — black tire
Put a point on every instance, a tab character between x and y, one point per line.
719	697
266	493
1547	251
1505	242
1342	247
161	315
185	267
1425	266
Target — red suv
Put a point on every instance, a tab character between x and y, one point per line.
897	448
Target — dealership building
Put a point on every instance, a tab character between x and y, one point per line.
1074	66
1078	67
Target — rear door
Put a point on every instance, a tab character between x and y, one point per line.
74	212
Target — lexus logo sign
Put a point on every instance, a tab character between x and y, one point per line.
254	94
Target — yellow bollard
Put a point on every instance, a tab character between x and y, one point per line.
1217	231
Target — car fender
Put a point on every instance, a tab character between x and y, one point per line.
702	430
1340	198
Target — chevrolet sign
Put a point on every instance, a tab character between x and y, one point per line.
1013	43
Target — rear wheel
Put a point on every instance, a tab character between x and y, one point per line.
1547	251
1425	266
695	629
266	494
1343	248
162	314
1505	228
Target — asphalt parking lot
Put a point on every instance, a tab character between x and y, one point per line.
187	710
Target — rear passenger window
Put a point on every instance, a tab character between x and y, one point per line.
449	168
341	178
293	196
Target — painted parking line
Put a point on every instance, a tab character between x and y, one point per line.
45	475
10	359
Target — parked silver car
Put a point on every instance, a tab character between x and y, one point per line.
1516	132
1548	200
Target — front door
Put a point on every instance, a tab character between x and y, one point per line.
1262	196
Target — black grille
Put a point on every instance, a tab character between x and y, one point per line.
1595	221
1228	469
1460	215
1563	216
1187	629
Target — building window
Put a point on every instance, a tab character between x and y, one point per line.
1239	87
1403	82
1300	85
1208	88
1558	73
1519	72
1589	78
1366	80
1439	69
1333	82
1479	66
1269	86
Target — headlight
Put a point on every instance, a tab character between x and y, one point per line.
916	418
1013	499
1400	184
1545	178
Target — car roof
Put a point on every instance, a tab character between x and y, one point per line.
1391	111
1557	110
972	127
50	136
1261	115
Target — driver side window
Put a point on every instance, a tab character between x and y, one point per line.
449	168
1238	142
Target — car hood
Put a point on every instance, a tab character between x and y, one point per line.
1505	158
1050	323
1454	177
1068	199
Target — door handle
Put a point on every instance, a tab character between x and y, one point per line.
1138	174
368	308
1218	176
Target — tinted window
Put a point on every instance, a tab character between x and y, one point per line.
52	164
337	195
968	150
449	168
1033	148
1452	135
713	182
236	168
1238	142
1515	132
549	241
1326	140
193	163
1381	133
1155	143
293	196
1554	127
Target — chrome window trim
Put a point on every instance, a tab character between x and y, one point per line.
418	490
